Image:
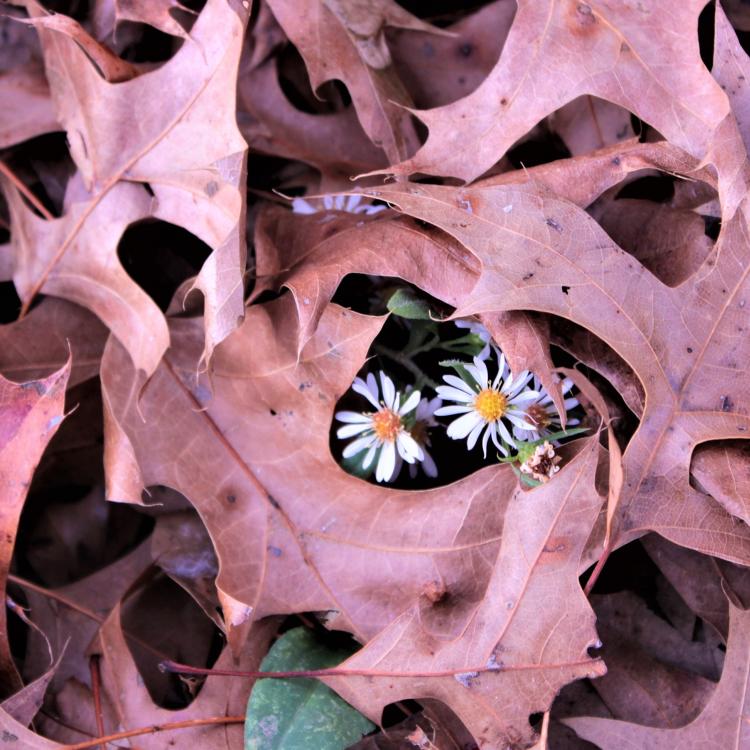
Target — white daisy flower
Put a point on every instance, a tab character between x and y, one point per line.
484	404
381	431
350	203
477	329
424	420
543	414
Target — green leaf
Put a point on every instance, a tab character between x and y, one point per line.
298	714
406	303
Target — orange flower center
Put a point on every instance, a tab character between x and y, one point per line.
386	425
538	416
491	405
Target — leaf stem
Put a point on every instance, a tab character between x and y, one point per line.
153	728
177	668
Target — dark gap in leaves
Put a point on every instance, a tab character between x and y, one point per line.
744	39
442	12
706	23
44	165
535	720
78	9
269	296
394	713
712	226
332	96
542	148
151	45
10	302
421	129
657	188
159	256
161	621
67	529
629	568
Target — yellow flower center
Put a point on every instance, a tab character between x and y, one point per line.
538	416
386	425
490	404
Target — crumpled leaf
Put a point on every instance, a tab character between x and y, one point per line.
722	720
343	39
693	384
289	714
310	255
30	414
469	136
505	630
186	148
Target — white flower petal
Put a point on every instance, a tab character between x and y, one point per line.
523	398
369	456
505	435
447	411
301	206
490	432
519	421
389	390
359	386
411	403
462	426
428	465
449	393
352	201
386	463
479	372
351	429
410	445
474	435
353	416
570	403
356	446
458	383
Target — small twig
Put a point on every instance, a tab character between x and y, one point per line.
96	690
406	363
167	727
30	197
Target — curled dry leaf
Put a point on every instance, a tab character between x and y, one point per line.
344	40
722	720
186	149
310	255
691	359
30	414
467	137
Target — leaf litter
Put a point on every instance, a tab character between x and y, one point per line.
281	282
